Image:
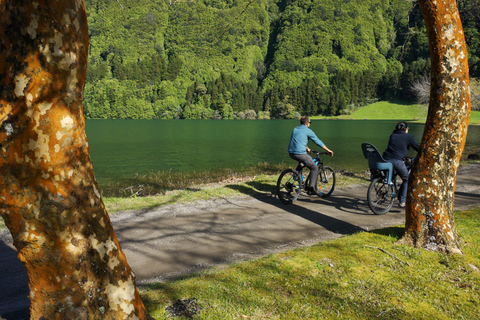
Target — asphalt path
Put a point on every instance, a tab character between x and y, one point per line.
176	240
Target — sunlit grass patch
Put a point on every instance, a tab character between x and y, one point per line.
475	117
256	185
385	110
362	276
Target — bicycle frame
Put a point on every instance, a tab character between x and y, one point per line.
380	194
300	173
290	188
316	160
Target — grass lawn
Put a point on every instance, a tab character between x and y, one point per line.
385	110
388	110
362	276
254	182
475	117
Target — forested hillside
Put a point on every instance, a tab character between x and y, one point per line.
263	59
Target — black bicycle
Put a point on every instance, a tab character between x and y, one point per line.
380	194
291	183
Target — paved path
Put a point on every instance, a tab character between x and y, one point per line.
174	240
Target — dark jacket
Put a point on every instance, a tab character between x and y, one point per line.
398	145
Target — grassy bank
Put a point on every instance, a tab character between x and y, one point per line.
163	181
385	110
255	181
362	276
475	117
161	188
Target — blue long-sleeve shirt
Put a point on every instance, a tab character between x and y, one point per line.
299	140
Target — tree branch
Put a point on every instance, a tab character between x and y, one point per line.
391	255
120	4
225	29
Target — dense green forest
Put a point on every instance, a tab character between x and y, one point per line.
256	59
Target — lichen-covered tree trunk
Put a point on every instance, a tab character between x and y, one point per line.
48	197
429	212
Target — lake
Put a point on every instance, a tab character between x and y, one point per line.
122	148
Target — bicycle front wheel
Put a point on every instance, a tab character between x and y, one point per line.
288	186
380	196
325	182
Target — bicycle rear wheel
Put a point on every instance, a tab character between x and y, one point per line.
325	182
380	196
288	186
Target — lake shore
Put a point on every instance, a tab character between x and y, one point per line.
231	186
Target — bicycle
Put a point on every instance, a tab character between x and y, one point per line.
381	194
291	182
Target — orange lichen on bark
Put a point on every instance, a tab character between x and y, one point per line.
50	200
429	212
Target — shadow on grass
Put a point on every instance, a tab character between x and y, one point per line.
253	188
394	232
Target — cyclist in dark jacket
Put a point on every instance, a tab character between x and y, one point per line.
297	149
398	145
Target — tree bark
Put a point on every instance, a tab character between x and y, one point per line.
49	197
429	212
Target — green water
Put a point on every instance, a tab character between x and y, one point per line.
122	148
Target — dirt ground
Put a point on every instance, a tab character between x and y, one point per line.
170	241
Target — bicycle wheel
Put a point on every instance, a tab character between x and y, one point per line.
325	182
380	196
288	186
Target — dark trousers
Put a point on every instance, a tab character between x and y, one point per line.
401	170
308	161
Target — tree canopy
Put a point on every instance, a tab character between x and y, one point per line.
219	59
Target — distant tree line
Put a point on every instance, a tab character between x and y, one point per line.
152	59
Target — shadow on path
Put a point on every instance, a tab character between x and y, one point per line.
197	237
313	215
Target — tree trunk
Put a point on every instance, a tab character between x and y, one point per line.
49	197
429	213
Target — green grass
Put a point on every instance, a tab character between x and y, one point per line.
385	110
162	188
388	110
475	117
258	185
263	183
347	278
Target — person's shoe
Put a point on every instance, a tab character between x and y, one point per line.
310	191
402	204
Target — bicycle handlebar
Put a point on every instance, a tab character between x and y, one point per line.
319	153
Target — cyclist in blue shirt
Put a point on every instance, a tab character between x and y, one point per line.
398	145
297	149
